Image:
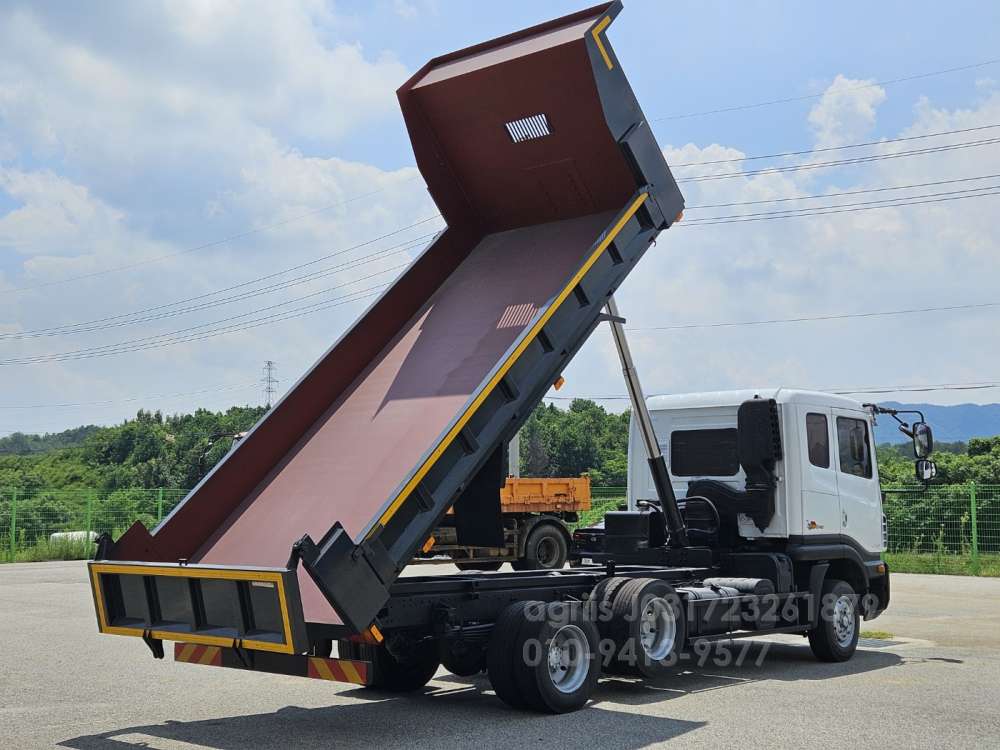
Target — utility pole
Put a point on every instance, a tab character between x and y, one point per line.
269	381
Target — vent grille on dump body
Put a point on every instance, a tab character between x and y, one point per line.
528	128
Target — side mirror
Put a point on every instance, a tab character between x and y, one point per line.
923	440
926	469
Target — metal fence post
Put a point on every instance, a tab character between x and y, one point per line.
159	505
975	527
13	524
90	515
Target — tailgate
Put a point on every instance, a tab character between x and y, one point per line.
213	605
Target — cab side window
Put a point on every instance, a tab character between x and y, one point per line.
818	440
854	447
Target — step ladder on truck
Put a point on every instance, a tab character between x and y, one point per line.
287	556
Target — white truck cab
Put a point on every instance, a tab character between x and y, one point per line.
827	478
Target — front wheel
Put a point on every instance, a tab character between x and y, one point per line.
835	637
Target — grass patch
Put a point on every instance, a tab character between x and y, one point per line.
598	507
876	635
943	564
63	549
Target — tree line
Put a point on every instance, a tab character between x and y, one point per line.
176	451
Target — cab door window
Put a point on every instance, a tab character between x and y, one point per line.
854	447
818	440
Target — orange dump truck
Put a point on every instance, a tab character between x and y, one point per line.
534	513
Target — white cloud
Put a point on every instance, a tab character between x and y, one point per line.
132	132
935	254
846	111
404	9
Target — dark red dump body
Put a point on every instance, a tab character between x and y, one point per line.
535	151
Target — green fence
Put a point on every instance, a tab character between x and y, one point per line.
944	529
62	524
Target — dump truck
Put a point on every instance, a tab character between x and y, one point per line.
536	513
287	557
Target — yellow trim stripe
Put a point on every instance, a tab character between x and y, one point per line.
601	26
96	569
525	342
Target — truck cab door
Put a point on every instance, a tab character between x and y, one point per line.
821	513
857	480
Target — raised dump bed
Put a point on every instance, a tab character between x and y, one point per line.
552	186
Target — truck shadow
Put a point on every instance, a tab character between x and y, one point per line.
728	664
453	711
435	718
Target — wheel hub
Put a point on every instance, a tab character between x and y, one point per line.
568	665
657	629
843	621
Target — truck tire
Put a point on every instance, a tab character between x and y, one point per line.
835	637
463	659
546	549
488	565
389	673
648	626
556	664
500	653
601	611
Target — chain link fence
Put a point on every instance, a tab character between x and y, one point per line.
944	529
41	524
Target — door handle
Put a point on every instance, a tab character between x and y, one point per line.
845	517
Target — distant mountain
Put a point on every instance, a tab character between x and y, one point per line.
950	423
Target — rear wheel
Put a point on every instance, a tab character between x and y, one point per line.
835	637
500	653
488	565
402	674
648	627
556	664
545	549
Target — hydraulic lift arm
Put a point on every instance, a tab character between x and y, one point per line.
654	456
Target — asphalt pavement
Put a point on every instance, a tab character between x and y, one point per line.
936	684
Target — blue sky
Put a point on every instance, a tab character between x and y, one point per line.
685	57
130	132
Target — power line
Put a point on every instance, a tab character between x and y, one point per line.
161	341
132	399
982	385
813	318
808	152
203	246
807	97
887	202
170	334
829	210
167	339
842	162
106	323
843	193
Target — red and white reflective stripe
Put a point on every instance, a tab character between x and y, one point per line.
192	653
338	670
